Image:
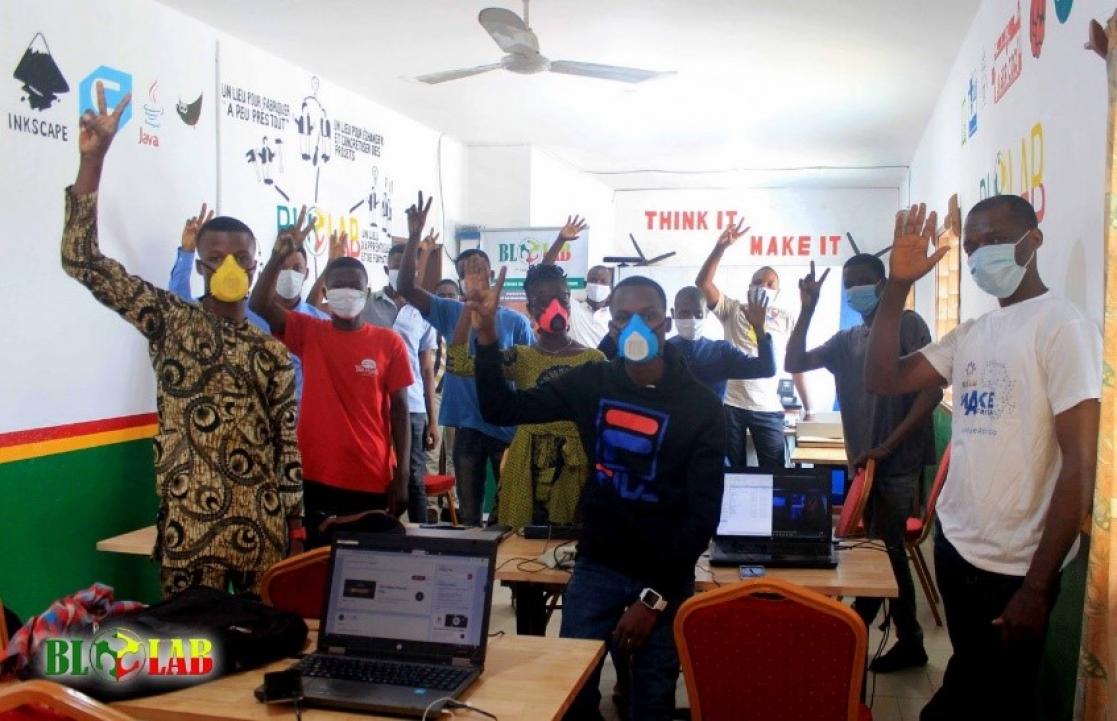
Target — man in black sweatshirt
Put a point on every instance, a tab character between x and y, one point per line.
656	437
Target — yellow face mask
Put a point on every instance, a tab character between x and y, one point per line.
229	282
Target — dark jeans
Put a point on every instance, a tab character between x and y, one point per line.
595	600
984	679
321	501
416	481
767	437
886	517
472	450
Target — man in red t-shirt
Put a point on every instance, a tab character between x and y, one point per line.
354	411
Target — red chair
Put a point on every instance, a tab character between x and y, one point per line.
768	649
918	529
851	521
441	484
49	701
298	584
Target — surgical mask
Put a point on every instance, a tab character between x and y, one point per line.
689	328
393	278
995	270
289	284
229	282
346	303
862	298
598	292
637	342
767	293
555	319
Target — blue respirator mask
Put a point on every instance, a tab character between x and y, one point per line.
637	342
995	270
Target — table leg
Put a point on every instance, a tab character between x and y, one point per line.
531	608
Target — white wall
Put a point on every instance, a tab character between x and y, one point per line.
1045	138
499	185
559	190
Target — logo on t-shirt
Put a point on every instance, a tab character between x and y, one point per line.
629	439
367	367
988	395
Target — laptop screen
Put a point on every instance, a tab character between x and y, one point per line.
409	595
791	504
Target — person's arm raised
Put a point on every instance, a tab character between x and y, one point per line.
264	301
886	373
183	268
705	279
408	288
568	233
797	358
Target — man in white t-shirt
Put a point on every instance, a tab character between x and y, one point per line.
589	311
1026	381
753	404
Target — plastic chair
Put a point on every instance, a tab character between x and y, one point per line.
769	649
298	584
918	529
48	701
851	521
442	485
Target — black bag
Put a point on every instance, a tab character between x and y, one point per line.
244	634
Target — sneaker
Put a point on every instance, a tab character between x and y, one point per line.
900	656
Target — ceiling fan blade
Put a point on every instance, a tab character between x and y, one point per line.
653	261
509	30
606	72
435	78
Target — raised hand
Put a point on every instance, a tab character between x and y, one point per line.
302	227
756	312
913	237
732	234
429	245
190	229
291	237
809	287
481	299
573	228
417	217
339	245
98	128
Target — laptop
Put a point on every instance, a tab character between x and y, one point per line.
779	519
405	623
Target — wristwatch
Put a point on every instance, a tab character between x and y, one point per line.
653	599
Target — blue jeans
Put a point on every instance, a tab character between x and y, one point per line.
595	600
767	437
417	480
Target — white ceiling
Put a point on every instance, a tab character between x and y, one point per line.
761	84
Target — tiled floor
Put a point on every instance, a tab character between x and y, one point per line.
897	697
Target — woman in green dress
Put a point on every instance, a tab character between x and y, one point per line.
545	466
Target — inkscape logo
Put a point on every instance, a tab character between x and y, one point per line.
41	78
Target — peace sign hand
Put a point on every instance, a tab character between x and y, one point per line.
573	228
339	245
417	217
809	287
732	233
914	236
481	299
429	245
299	231
190	229
99	127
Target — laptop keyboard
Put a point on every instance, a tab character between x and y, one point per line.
442	678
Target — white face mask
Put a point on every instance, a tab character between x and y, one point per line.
598	292
290	284
689	328
346	303
393	278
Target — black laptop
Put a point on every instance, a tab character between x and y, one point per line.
405	623
779	519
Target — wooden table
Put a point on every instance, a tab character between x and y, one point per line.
136	543
819	456
526	678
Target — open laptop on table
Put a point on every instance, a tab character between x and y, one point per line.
405	623
779	519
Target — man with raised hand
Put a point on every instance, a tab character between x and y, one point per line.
227	467
1026	379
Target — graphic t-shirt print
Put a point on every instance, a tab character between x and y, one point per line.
988	395
629	441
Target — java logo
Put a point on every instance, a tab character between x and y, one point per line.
119	656
530	251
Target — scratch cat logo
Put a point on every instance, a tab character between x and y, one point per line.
117	84
629	440
41	78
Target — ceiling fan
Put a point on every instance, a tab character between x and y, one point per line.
516	38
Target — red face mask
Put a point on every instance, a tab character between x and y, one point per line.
555	319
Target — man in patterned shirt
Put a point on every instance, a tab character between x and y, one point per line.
227	467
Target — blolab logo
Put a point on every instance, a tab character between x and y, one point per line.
120	656
529	251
